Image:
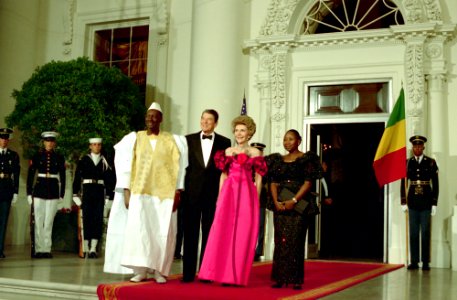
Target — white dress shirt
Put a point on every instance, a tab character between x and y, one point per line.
207	146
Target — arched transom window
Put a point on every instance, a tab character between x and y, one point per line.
350	15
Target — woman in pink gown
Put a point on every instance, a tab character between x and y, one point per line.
232	239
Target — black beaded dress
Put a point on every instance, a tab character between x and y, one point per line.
290	227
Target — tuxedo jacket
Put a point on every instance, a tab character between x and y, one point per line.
202	182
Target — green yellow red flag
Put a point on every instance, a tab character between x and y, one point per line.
390	159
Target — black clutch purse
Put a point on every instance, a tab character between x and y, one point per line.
301	206
285	194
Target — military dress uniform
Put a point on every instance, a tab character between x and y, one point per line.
9	185
96	182
46	191
423	190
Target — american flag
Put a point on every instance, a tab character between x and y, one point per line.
243	107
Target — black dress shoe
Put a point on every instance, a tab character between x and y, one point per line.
297	287
277	285
178	256
230	285
425	267
257	258
92	255
46	255
187	280
2	255
38	255
206	281
413	267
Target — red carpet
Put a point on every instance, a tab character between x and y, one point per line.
321	278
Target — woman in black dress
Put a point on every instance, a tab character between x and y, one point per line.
297	172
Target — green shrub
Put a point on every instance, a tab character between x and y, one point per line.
79	99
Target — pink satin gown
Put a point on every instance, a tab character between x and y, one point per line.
233	236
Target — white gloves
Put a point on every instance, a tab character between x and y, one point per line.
108	203
77	200
107	208
404	208
29	199
13	202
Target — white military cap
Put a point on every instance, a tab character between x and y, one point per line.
156	106
95	140
49	135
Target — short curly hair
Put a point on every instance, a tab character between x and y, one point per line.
244	120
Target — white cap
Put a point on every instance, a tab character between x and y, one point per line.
156	106
95	140
49	135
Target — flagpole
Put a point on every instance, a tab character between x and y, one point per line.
407	222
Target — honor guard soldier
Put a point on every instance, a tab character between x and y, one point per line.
95	181
9	182
420	200
44	193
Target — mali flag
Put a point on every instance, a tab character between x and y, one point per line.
390	160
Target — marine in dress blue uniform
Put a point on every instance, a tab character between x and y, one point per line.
421	201
45	187
95	181
9	182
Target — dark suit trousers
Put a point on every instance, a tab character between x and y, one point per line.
4	213
193	215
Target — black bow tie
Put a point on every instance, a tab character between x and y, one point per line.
210	137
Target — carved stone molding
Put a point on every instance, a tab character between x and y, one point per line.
280	12
434	51
68	41
162	40
424	35
414	62
162	16
414	11
278	80
418	11
276	63
263	87
278	17
433	10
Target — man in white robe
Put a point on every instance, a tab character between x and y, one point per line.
150	167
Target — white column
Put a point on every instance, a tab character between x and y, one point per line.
218	66
437	146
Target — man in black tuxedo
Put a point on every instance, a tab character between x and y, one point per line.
201	189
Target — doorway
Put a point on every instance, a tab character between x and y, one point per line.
351	224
